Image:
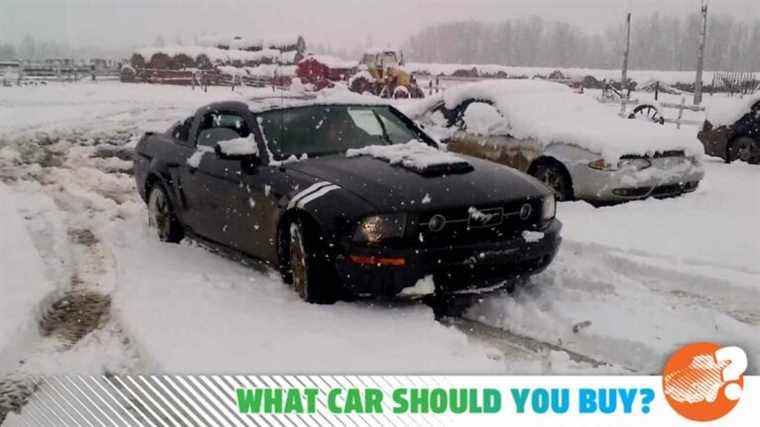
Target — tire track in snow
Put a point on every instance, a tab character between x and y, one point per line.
670	280
72	252
637	304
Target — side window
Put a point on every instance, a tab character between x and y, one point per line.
481	118
219	126
181	130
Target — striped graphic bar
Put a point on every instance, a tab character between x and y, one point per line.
344	400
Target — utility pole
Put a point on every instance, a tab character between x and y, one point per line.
701	55
624	77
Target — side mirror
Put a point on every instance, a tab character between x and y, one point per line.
233	150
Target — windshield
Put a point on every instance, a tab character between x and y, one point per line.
321	130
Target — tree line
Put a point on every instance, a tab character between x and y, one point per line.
657	42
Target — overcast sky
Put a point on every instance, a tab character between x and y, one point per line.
342	23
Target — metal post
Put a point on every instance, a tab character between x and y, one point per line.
624	77
701	55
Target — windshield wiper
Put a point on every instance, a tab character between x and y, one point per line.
382	126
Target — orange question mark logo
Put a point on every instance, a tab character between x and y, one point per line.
703	381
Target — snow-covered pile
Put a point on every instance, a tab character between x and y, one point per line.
331	61
259	71
552	113
730	110
240	42
654	84
413	155
214	54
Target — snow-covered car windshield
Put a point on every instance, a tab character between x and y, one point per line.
321	130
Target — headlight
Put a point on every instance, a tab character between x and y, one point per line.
549	208
637	163
376	228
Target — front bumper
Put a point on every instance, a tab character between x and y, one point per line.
473	265
666	177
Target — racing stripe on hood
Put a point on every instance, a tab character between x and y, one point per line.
313	196
308	190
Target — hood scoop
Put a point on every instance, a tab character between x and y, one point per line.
417	157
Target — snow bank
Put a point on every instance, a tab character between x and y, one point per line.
552	113
413	155
23	284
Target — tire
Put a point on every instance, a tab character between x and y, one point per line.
312	275
450	305
162	217
745	149
648	113
555	177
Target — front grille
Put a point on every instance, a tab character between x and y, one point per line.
656	155
659	191
487	224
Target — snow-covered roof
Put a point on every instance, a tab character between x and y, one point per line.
214	54
552	113
331	61
731	110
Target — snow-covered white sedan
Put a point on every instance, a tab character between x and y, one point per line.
577	146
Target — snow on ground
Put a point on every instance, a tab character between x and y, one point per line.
641	76
650	275
24	284
191	311
634	281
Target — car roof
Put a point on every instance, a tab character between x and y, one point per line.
265	104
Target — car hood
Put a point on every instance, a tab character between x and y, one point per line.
390	188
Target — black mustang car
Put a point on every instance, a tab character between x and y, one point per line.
344	199
739	140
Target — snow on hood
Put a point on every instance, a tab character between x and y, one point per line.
552	113
413	155
728	112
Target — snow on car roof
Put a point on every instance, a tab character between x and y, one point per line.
552	113
731	110
335	96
